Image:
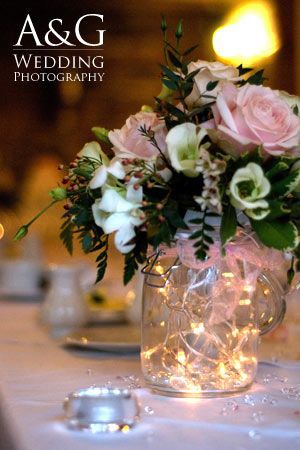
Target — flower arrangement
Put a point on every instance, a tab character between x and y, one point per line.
217	142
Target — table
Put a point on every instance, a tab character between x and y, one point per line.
36	373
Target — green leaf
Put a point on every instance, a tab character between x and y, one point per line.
277	209
279	234
102	257
172	214
277	169
211	85
228	224
287	185
66	235
170	84
296	110
86	243
175	61
243	70
190	50
169	73
257	78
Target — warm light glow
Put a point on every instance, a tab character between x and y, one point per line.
245	302
222	370
1	231
248	288
181	358
198	327
227	275
249	34
159	269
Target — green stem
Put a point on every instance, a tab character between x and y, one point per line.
41	212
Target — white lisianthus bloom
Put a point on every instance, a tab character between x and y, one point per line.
248	188
183	144
119	211
114	168
93	150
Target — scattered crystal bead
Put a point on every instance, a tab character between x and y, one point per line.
249	400
254	434
149	410
258	416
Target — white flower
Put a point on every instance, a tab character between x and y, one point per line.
183	143
209	71
114	168
291	100
118	210
248	188
93	150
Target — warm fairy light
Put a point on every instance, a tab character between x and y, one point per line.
248	288
266	291
249	34
237	364
198	327
222	370
1	231
245	302
235	332
125	429
162	323
159	269
227	275
181	357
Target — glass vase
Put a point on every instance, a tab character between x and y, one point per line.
202	320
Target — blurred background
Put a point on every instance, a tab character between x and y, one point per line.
44	124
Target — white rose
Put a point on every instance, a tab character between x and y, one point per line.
209	71
183	144
118	210
248	188
291	100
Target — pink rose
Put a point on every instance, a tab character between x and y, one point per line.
128	142
209	71
251	115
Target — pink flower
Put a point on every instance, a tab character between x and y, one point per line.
128	142
251	115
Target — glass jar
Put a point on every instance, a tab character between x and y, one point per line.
202	320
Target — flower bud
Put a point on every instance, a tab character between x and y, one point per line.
146	108
21	233
58	193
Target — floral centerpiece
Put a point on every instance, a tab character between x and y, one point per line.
218	155
217	141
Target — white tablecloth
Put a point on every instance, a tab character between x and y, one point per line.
36	374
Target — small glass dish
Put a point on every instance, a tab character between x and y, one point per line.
101	409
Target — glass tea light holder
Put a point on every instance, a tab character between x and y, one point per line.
101	409
202	320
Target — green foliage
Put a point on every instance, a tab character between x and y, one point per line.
279	234
202	235
286	185
101	260
243	70
135	257
66	235
228	224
